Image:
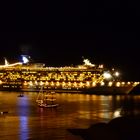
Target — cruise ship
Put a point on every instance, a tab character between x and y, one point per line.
85	78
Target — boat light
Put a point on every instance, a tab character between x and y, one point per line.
107	75
117	74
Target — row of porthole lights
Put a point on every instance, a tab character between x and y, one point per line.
87	84
30	83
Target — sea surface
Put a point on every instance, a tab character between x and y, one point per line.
26	121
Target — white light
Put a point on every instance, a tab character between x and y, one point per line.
87	62
101	66
30	83
94	84
10	65
118	84
102	83
25	59
117	113
107	75
117	74
6	62
110	84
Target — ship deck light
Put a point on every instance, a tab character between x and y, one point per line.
117	73
107	75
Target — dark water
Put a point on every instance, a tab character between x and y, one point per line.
26	121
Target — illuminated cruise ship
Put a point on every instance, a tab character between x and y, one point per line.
88	77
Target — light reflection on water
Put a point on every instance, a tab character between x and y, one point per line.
26	120
23	113
24	130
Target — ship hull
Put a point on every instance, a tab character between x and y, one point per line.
100	90
105	90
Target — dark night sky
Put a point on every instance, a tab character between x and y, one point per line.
62	32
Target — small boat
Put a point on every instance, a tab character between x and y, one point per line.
21	95
46	99
3	112
47	105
